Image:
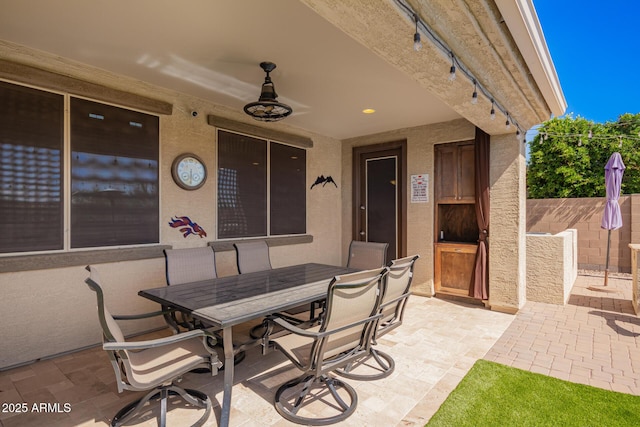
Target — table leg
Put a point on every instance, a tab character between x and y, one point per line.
227	341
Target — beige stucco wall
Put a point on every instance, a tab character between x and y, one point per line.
420	216
507	245
552	266
507	261
46	312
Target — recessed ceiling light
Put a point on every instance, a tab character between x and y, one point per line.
368	111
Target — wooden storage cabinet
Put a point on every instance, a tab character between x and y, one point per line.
456	232
455	173
454	266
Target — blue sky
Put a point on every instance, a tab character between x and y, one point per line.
595	46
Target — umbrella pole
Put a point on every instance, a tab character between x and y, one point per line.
606	268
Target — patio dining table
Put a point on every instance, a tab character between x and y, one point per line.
227	301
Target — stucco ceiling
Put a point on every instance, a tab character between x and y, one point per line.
211	49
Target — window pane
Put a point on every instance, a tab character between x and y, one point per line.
242	186
114	176
288	190
31	142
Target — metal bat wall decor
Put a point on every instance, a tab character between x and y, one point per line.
324	181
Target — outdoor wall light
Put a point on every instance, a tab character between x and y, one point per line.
267	108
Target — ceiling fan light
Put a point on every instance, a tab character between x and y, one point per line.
267	108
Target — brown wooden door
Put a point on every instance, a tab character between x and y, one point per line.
380	196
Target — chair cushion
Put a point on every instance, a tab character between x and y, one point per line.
155	365
297	346
300	346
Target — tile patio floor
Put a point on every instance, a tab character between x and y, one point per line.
594	339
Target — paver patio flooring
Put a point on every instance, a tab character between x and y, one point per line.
592	340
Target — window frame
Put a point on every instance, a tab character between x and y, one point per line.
70	163
29	256
268	141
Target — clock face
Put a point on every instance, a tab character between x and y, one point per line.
189	171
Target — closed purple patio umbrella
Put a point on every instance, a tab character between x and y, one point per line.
612	218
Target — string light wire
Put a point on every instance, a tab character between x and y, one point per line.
456	64
591	136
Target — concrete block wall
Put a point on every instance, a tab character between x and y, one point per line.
585	215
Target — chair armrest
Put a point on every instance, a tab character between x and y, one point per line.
306	333
350	325
292	328
395	300
159	342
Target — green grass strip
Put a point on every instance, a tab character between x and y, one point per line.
492	394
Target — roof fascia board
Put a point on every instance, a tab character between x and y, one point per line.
522	20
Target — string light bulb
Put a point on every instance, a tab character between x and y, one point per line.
452	70
474	95
422	28
507	124
417	43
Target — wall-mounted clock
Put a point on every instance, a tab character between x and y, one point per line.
189	171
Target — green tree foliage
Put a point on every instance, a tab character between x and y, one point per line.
567	157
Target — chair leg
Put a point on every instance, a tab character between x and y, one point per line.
163	407
293	395
362	370
193	397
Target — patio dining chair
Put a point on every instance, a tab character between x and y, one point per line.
188	265
153	365
252	256
367	255
343	336
191	265
395	295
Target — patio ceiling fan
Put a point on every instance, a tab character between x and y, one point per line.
267	108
